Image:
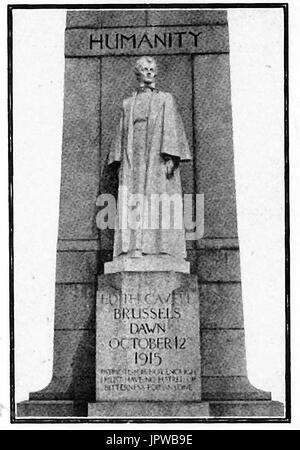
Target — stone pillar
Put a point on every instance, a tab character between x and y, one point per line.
224	371
78	246
148	358
198	76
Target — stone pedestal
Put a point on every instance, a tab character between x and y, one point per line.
147	263
142	409
148	337
184	410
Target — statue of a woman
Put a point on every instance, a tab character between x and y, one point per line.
148	147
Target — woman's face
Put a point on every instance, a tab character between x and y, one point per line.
147	72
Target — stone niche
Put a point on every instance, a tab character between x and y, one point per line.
192	52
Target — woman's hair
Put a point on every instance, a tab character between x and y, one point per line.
140	62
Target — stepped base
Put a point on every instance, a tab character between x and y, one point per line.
52	408
148	409
61	408
247	409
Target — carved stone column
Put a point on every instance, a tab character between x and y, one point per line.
94	84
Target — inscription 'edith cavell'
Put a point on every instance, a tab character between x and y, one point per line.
146	40
146	318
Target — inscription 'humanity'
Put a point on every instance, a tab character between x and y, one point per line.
132	41
145	40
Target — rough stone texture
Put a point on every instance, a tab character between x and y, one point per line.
224	375
94	18
76	267
80	18
222	334
214	149
192	257
186	17
80	154
77	257
73	367
75	307
122	373
65	388
133	18
148	409
107	255
82	245
218	243
221	306
147	263
105	18
74	346
231	388
247	409
223	353
219	265
74	353
264	409
56	408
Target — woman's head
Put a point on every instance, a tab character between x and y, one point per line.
146	69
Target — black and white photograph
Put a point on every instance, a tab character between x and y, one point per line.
149	216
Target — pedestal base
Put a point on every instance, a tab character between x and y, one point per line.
186	409
148	338
148	409
247	409
138	410
147	263
52	408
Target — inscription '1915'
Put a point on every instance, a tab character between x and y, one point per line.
141	357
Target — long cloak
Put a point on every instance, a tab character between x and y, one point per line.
164	137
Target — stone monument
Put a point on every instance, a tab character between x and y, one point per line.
148	146
138	332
